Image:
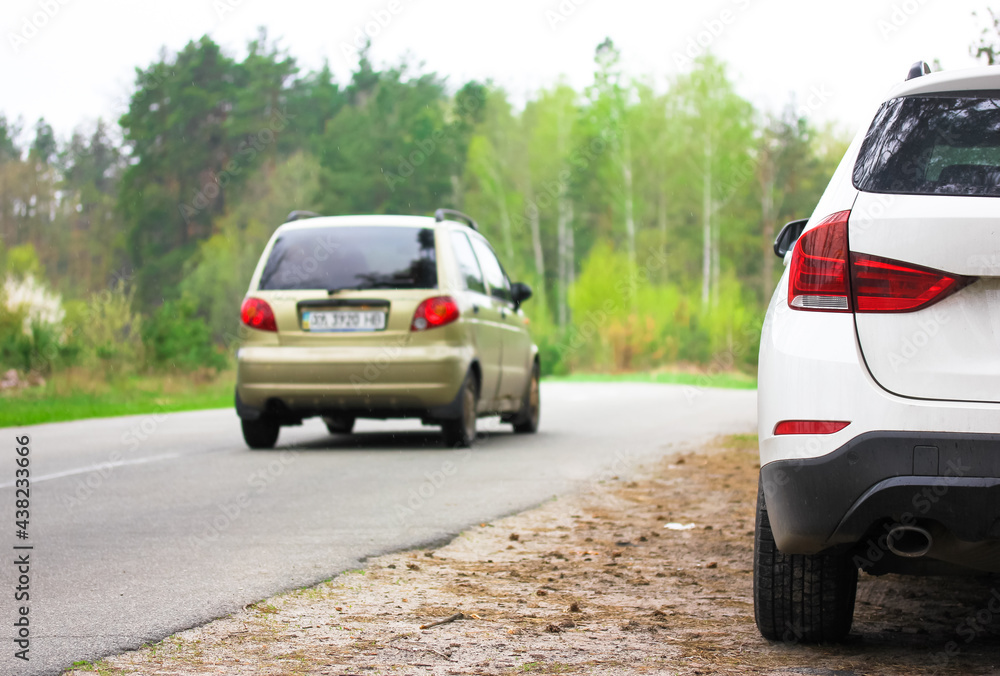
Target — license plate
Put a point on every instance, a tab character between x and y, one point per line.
344	320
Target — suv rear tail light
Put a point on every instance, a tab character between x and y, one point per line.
818	275
809	427
434	312
257	314
883	285
820	278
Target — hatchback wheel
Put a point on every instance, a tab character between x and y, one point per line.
527	418
461	432
797	597
339	424
260	434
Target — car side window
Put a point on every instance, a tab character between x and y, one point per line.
495	276
468	266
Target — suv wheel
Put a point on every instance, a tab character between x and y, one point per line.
461	432
797	597
339	424
260	434
526	421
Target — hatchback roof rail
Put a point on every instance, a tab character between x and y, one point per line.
299	215
918	69
441	214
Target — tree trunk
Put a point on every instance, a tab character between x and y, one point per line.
627	180
536	244
570	257
500	195
706	226
716	263
768	215
563	235
662	224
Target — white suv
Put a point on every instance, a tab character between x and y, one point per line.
879	404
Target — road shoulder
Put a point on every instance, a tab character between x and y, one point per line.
636	575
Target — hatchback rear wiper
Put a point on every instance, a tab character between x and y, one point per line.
394	284
332	292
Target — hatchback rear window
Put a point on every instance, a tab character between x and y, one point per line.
944	144
352	257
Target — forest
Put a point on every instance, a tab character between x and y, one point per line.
641	214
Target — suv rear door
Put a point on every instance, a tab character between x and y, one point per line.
929	172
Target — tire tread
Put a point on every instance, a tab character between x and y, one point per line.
798	597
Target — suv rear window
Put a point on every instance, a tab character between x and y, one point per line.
947	144
352	257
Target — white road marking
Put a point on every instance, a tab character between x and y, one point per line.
95	468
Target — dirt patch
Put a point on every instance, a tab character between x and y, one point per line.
649	575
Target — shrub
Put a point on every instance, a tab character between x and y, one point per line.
31	323
176	337
107	333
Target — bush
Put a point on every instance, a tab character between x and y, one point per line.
31	322
107	333
22	261
176	337
625	320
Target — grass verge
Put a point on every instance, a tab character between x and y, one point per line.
78	395
728	380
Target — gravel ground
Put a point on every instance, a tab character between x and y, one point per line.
646	574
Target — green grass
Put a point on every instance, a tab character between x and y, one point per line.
59	401
732	380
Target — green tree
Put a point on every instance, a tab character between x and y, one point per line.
92	241
391	150
175	130
986	48
719	138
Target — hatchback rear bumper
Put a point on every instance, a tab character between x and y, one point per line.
315	380
950	482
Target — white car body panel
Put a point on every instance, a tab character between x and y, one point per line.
811	369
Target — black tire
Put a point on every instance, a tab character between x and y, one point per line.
526	421
800	598
339	424
260	434
461	432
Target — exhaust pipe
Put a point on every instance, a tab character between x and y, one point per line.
909	541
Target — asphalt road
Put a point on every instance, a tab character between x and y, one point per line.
146	525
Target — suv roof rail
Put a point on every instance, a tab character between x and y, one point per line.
441	214
918	69
299	215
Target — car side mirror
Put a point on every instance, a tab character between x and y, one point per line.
788	236
519	293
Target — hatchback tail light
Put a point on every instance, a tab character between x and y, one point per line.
434	312
257	314
820	278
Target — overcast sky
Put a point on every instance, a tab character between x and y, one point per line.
836	58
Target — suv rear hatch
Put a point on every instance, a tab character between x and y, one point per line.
929	176
348	285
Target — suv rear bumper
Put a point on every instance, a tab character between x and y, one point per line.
949	481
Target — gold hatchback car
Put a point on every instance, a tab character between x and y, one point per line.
353	317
